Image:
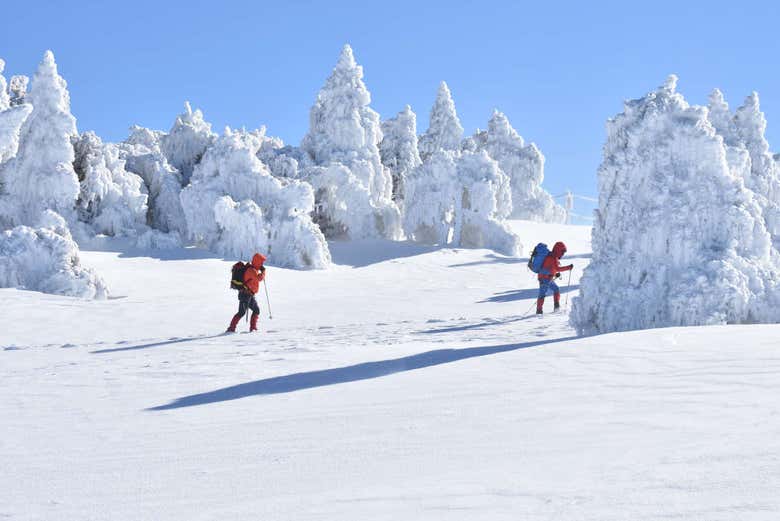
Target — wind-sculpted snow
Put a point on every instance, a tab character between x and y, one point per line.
41	176
112	200
460	200
187	141
345	131
236	207
46	258
678	238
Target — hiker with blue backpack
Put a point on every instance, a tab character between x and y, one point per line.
547	265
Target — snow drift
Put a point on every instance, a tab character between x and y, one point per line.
678	239
46	259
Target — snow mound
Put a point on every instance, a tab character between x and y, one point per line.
46	259
461	200
112	200
345	131
187	141
235	206
678	239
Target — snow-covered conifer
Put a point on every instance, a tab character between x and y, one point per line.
187	141
398	149
5	99
234	206
524	164
678	240
444	130
112	201
344	130
17	89
41	176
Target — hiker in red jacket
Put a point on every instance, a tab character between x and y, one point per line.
254	273
551	270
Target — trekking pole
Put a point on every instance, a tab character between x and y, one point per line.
566	304
267	299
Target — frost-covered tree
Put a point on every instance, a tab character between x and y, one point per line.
143	156
17	89
235	207
398	149
5	99
187	141
444	130
721	117
41	176
460	200
46	258
112	201
524	164
345	131
678	239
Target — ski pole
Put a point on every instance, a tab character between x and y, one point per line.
267	299
566	304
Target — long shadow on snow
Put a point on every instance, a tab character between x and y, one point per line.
155	344
523	294
492	258
353	373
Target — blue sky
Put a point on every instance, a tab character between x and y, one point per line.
557	69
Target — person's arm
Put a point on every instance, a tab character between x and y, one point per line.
261	278
251	282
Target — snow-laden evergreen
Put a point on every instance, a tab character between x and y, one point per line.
5	98
143	156
460	200
235	207
444	129
41	176
187	141
345	131
678	238
112	201
398	149
524	164
45	258
11	121
17	89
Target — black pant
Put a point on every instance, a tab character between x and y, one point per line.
247	300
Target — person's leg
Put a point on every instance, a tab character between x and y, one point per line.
556	294
242	305
255	314
543	285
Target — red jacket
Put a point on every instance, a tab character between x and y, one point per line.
254	274
551	265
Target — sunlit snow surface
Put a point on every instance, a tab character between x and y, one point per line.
403	383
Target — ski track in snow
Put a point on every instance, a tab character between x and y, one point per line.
408	388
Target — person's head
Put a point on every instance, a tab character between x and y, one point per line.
559	250
258	260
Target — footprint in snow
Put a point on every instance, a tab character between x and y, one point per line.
66	346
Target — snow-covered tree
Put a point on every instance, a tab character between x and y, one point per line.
46	258
345	131
187	141
678	239
460	200
721	117
398	149
41	176
5	99
17	89
524	164
235	207
112	201
143	156
444	130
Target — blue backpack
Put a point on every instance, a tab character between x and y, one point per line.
537	257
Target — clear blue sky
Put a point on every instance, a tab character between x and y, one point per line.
557	69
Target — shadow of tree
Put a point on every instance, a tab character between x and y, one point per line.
492	258
353	373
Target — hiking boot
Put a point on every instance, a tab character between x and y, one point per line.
557	306
538	311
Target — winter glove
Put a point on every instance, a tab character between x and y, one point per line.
570	266
557	275
262	269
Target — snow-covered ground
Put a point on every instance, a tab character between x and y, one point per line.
403	383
